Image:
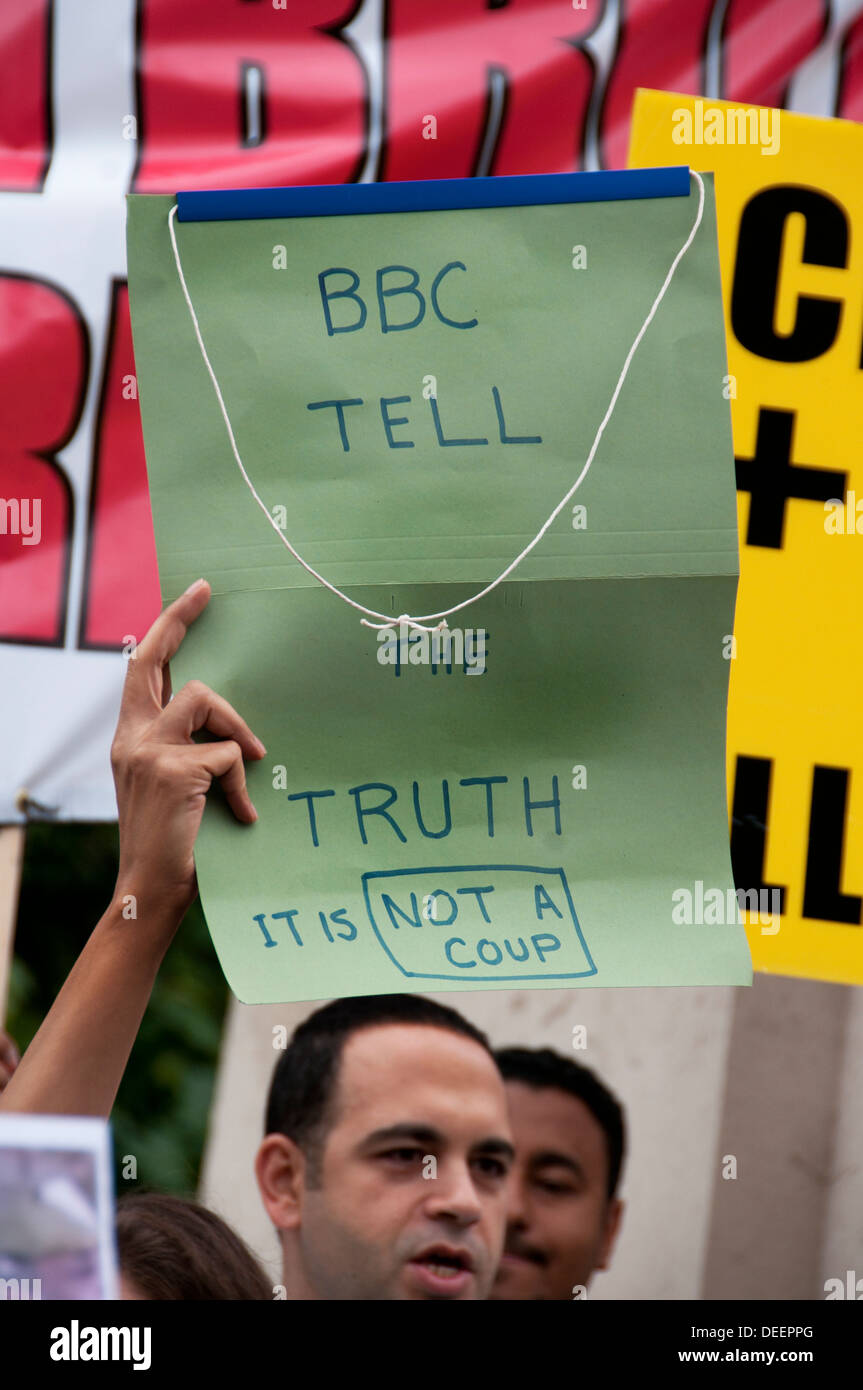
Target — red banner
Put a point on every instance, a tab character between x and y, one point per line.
168	94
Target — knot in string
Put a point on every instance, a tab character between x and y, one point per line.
408	621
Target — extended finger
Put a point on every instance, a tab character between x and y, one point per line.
143	692
196	707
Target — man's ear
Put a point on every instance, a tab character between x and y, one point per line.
281	1171
613	1218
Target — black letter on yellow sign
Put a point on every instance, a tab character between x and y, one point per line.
822	897
749	825
756	273
772	479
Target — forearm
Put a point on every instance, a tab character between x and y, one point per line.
76	1061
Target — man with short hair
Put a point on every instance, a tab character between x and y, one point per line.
386	1154
564	1214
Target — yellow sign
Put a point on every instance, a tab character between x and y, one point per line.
789	202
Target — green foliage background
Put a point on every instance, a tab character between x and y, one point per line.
160	1115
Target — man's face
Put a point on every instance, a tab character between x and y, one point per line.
560	1227
412	1195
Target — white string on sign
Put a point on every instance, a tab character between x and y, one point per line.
438	618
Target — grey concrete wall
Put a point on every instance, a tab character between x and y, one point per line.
779	1117
842	1239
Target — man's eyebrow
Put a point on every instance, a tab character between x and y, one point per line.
428	1135
551	1158
495	1145
421	1134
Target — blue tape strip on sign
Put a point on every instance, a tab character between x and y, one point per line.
432	195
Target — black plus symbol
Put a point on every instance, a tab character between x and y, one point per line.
771	479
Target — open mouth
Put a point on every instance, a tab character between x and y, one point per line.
443	1272
445	1264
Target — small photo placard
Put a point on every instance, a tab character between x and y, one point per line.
56	1208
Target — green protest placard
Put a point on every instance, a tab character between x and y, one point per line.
521	798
